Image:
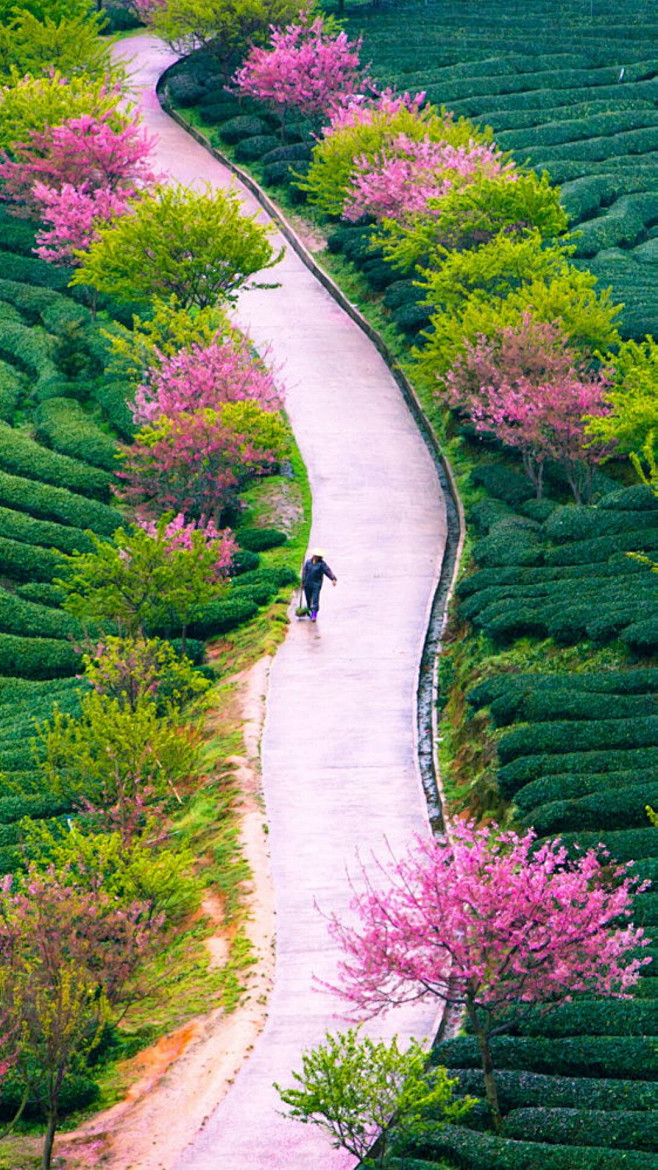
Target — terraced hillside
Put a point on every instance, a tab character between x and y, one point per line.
571	87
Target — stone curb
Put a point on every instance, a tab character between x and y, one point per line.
427	689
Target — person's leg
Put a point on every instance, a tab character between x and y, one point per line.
308	591
314	601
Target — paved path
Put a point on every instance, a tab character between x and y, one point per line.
339	763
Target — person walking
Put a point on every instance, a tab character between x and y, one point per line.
314	571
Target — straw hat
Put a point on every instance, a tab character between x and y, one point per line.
317	552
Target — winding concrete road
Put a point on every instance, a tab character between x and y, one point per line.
339	762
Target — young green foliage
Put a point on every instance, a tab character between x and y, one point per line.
359	1089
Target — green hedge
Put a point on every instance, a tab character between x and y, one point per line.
11	386
571	736
584	1127
37	658
20	455
14	808
292	153
221	616
19	526
481	1151
621	1057
77	1092
642	681
592	1017
622	844
62	424
521	771
567	786
58	504
610	809
32	270
18	616
25	562
112	395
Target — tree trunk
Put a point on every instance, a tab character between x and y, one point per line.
49	1140
490	1087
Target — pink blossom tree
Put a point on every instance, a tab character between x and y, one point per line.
201	376
195	462
493	923
529	390
89	151
75	176
73	215
402	179
306	68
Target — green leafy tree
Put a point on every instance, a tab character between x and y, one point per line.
131	670
55	9
225	27
141	580
477	292
113	762
196	246
67	956
633	397
71	44
469	215
358	1090
34	103
162	879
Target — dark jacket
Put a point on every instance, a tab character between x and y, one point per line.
313	573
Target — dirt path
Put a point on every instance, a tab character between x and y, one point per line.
340	772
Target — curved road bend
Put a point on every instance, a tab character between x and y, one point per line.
339	764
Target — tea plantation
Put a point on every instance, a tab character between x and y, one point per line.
570	87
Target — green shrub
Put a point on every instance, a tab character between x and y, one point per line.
259	539
213	111
58	504
521	771
469	1150
278	173
185	91
19	526
510	542
37	658
401	293
411	318
244	561
64	425
638	498
568	736
293	152
622	1057
584	1127
600	548
20	455
610	809
253	148
244	126
25	562
18	616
